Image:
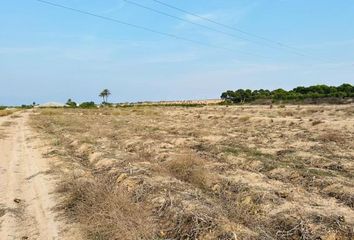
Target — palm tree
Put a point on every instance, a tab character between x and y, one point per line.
104	95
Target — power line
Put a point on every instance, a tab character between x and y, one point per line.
218	23
197	24
143	28
280	44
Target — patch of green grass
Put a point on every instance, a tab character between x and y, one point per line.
318	172
232	150
251	152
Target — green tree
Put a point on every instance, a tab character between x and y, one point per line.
71	103
279	94
104	95
297	94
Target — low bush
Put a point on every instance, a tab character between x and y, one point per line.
88	105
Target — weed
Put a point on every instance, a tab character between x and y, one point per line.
190	169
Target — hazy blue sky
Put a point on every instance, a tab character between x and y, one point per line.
52	54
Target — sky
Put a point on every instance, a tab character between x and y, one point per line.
52	54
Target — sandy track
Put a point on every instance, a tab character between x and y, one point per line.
26	198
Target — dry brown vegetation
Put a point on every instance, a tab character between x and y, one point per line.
4	113
214	172
5	124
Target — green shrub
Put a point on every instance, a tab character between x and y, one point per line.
88	105
24	106
71	103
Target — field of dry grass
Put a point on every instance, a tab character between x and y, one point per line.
215	172
5	112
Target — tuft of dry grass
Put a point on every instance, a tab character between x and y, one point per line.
51	111
316	122
190	225
288	227
332	136
286	113
244	118
104	210
338	192
190	169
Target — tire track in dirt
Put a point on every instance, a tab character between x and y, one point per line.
26	199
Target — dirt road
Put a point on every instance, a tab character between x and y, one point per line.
26	188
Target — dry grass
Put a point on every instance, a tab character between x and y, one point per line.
190	169
215	172
104	210
51	111
316	122
244	118
4	113
333	137
2	135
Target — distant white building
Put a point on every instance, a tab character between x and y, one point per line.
51	105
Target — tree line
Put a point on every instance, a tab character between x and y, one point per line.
296	94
